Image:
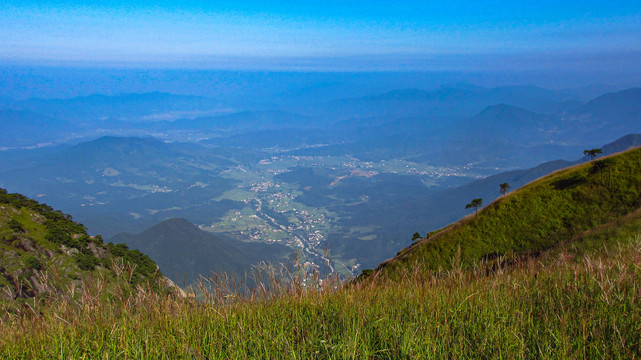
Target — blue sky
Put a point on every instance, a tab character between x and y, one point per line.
325	35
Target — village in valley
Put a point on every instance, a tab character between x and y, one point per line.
272	214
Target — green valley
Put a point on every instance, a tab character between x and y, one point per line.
548	271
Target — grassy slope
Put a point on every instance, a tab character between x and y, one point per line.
546	308
44	253
577	299
550	211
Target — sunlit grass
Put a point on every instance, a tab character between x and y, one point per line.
552	307
556	209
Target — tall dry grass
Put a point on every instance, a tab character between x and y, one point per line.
563	306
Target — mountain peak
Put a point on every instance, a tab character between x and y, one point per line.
118	141
625	98
180	225
502	109
184	252
622	144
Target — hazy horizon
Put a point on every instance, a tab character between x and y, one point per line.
543	36
64	81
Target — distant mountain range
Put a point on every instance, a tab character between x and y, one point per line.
458	100
406	148
499	135
448	118
128	107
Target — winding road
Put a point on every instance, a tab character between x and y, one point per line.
307	246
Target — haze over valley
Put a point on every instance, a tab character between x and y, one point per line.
334	131
342	183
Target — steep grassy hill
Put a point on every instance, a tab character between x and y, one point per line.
44	253
409	206
557	209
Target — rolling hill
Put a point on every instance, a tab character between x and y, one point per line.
398	214
184	252
100	178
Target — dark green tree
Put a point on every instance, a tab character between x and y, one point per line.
476	204
505	187
416	236
592	153
15	226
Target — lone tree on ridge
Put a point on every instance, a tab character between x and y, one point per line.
505	188
476	204
592	153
